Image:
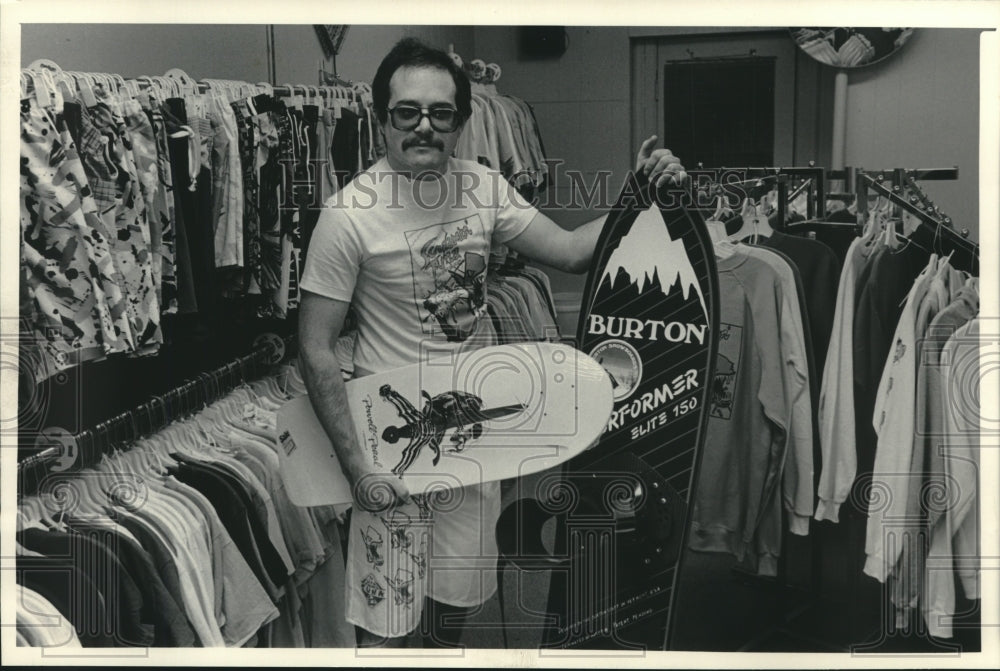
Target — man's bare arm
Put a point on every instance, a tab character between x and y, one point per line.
320	323
321	320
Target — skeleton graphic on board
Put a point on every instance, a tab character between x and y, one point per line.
456	411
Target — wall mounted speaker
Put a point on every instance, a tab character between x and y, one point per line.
540	42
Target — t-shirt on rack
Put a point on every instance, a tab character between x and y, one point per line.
186	538
502	134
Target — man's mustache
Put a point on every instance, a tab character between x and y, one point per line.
416	142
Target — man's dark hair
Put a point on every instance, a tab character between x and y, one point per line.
414	53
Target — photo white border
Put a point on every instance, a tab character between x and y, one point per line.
929	14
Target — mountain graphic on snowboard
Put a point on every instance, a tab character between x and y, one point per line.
647	253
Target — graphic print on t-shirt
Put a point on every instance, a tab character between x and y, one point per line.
727	366
449	276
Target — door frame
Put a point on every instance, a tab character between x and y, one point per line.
803	87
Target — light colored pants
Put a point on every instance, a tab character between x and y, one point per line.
446	551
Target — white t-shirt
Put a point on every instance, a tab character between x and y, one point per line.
411	255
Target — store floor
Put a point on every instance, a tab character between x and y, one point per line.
719	609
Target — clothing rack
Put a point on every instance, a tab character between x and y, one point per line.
806	184
934	233
771	177
917	174
51	74
159	411
46	80
849	176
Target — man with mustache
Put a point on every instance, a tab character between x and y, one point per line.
401	233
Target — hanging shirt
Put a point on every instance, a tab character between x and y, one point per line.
165	255
227	185
909	566
879	307
40	624
820	272
171	572
242	606
140	134
894	402
512	162
121	599
170	624
737	493
110	166
797	473
474	144
955	535
73	291
836	402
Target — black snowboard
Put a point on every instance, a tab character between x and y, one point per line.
650	316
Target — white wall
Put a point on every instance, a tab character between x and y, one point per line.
921	110
221	51
298	52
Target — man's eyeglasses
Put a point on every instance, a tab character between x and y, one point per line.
443	119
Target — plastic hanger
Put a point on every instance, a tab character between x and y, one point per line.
66	86
178	75
41	64
872	225
290	97
754	223
722	209
121	85
102	85
42	94
58	101
891	237
318	99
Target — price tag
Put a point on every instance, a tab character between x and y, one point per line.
287	444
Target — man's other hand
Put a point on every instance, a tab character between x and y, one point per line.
659	164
